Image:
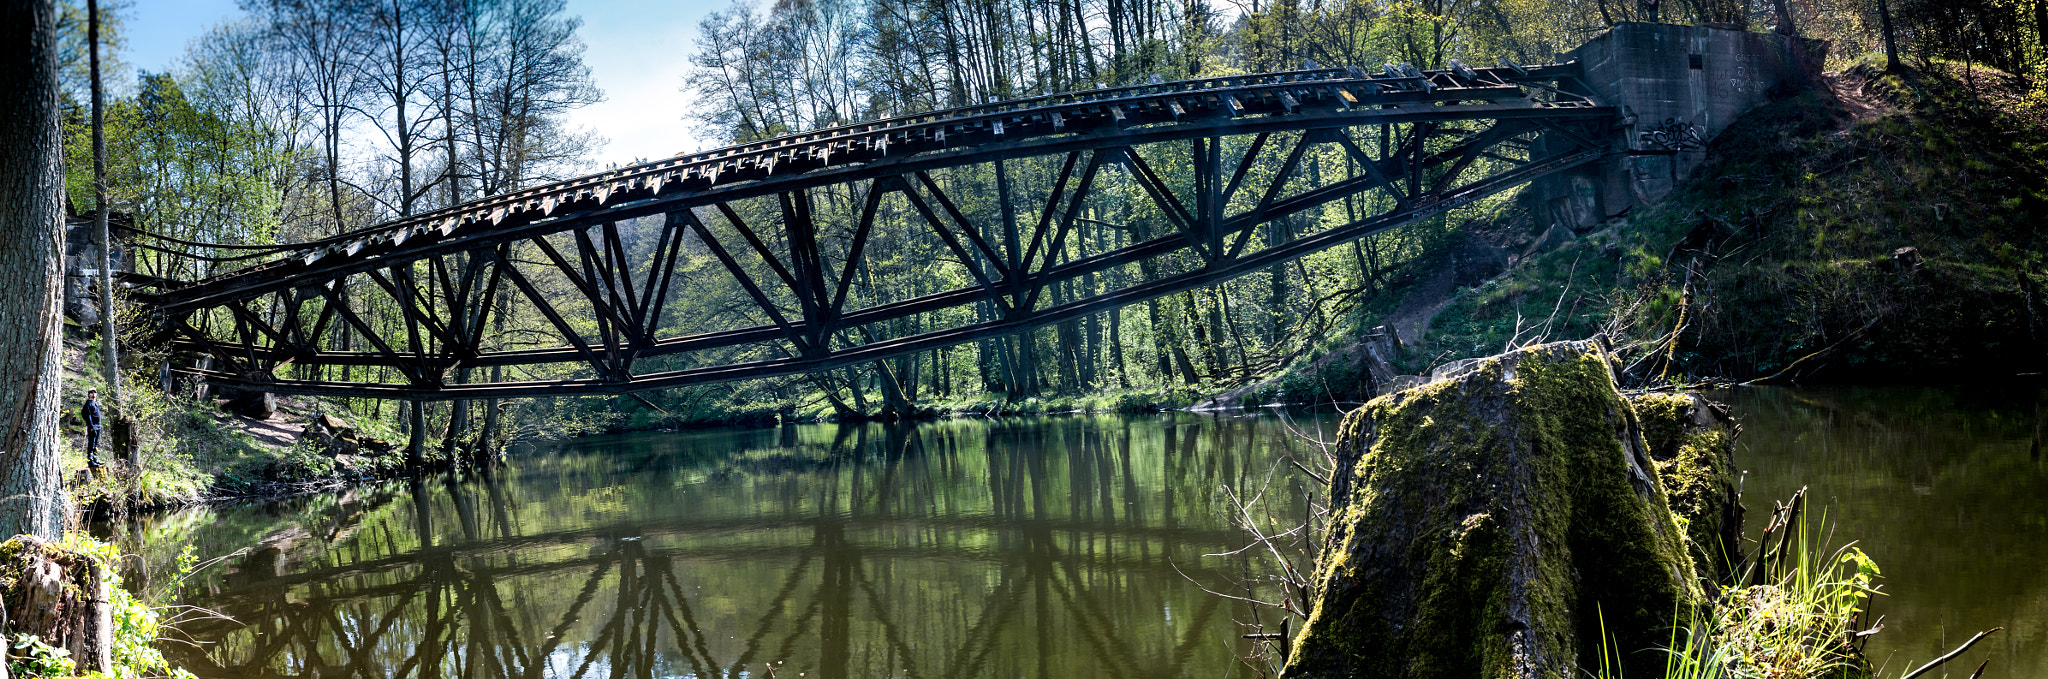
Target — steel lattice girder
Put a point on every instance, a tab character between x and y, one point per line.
1007	276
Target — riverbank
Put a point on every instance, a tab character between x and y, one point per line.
198	450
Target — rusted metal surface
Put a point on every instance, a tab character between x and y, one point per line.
448	272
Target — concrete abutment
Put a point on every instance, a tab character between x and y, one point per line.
1677	88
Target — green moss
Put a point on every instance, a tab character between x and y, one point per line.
1694	454
1627	554
1487	518
1663	417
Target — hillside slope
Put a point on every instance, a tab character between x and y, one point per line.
1892	228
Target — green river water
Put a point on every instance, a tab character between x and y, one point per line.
1063	546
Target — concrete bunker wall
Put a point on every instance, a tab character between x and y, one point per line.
1677	88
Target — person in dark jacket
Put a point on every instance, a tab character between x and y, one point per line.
91	414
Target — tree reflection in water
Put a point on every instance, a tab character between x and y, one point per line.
1048	547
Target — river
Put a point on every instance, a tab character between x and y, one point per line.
1945	488
1063	546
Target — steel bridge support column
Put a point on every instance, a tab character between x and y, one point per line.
416	446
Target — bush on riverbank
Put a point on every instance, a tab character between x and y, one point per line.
689	409
1126	401
1796	610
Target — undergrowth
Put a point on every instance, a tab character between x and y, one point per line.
138	626
1124	401
1791	611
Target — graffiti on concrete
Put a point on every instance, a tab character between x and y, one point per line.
1674	135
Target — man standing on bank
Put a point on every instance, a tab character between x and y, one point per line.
91	413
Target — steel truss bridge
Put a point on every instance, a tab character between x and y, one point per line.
794	221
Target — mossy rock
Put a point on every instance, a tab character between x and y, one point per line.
1498	523
1692	441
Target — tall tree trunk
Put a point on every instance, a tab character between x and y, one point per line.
1784	9
31	268
1067	336
1091	346
1162	340
110	337
2040	28
858	390
1116	349
898	383
1208	327
334	172
458	419
1891	41
1278	232
399	97
1162	337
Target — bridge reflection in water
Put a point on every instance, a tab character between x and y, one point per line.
1053	547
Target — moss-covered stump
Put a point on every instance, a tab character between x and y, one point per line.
1692	441
1493	524
58	595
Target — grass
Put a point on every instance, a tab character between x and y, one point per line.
1790	611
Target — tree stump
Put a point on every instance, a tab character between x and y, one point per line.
60	596
1504	521
1692	441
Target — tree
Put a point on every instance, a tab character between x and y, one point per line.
1891	38
31	265
109	338
315	38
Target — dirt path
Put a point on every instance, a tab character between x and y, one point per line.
1849	89
278	430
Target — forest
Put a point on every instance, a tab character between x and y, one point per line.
1873	218
313	118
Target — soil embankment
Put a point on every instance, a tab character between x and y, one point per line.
1884	228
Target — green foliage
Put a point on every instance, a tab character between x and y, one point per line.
1123	401
33	658
184	161
1796	624
137	625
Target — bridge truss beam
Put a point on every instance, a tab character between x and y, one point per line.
802	231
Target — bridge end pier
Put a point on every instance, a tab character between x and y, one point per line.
1677	87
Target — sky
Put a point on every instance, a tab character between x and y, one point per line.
637	51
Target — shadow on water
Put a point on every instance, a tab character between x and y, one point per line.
965	548
1945	488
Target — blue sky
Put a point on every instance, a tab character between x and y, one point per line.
637	51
